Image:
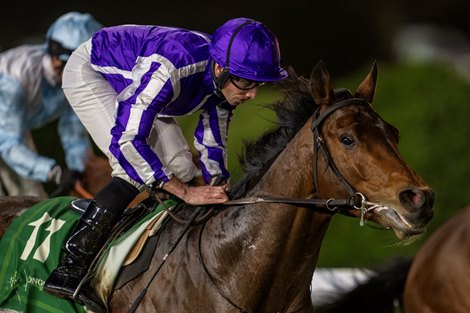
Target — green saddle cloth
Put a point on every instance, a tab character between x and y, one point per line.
30	250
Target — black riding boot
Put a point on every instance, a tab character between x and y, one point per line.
87	238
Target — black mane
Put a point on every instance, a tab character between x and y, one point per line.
293	111
295	108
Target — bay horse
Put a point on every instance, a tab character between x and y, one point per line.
438	279
331	153
435	280
260	257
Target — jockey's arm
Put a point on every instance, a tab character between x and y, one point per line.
210	139
13	129
74	139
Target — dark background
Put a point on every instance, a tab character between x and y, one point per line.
345	34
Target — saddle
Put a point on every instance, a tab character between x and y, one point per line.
129	249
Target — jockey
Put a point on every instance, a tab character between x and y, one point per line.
126	84
31	97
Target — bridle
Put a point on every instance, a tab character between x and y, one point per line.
319	144
356	200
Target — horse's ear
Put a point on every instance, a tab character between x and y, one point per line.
321	86
366	89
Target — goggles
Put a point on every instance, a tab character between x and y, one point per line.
244	84
54	48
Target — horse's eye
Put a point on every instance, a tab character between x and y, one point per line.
346	140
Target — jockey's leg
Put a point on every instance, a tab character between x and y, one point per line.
86	240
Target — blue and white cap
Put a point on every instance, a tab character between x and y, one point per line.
68	32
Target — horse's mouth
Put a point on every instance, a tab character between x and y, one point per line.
390	217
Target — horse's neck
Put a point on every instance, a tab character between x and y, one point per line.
280	243
291	174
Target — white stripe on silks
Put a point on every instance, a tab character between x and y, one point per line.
206	38
142	168
211	165
165	71
183	72
142	67
197	107
208	140
157	81
222	115
112	70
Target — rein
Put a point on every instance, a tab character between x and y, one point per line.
356	200
332	205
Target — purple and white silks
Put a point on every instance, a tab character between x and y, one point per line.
158	72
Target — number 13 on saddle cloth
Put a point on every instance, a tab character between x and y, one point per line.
31	248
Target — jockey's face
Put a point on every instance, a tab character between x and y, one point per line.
232	93
58	67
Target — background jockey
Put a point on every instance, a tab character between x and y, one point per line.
126	85
30	97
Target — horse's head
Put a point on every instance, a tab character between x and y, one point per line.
356	147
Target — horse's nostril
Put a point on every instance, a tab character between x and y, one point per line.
413	199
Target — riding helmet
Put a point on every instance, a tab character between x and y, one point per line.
248	49
68	32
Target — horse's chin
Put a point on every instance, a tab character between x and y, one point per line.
403	229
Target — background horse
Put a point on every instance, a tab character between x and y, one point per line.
96	175
260	257
436	280
439	277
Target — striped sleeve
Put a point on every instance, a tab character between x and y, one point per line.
156	84
210	139
138	106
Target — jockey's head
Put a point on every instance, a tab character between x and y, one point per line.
245	54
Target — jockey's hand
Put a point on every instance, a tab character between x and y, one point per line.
65	179
197	195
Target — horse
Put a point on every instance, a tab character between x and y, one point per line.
96	175
441	268
435	280
331	153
